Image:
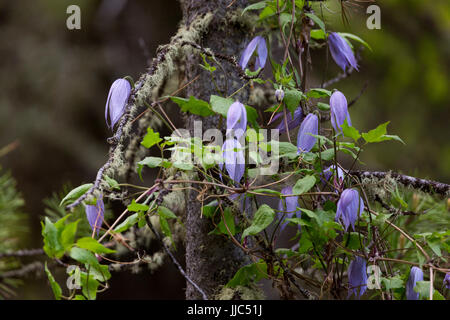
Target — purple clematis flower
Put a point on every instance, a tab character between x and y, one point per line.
95	215
236	120
415	275
234	159
339	111
349	207
279	95
305	141
117	100
447	280
257	42
291	207
357	277
293	122
341	52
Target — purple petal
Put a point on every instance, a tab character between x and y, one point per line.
291	207
117	100
339	111
357	277
349	207
95	215
416	274
341	52
236	120
234	160
259	42
305	142
262	53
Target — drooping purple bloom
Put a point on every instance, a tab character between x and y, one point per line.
305	141
349	207
339	111
357	277
338	177
95	215
258	43
291	207
234	159
416	274
293	122
236	120
116	102
447	280
341	52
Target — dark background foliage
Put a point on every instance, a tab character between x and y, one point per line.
54	83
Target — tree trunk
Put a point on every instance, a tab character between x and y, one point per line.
212	260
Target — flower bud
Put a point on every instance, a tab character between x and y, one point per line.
349	207
357	277
117	100
341	52
95	215
416	274
279	95
339	111
305	141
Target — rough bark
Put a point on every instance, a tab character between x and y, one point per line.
211	260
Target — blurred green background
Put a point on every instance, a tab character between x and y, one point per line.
54	83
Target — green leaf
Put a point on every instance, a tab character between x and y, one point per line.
292	98
393	282
229	220
263	218
112	183
323	106
376	134
317	20
183	166
255	6
75	194
299	221
151	138
194	106
68	235
318	93
91	263
165	228
89	286
166	213
248	274
52	245
136	207
435	245
127	223
55	286
304	185
269	191
220	105
350	132
152	162
93	245
317	34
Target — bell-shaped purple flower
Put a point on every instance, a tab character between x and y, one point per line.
341	52
290	209
339	111
357	277
236	120
349	207
305	141
258	43
117	100
292	121
416	274
279	95
234	159
447	280
95	215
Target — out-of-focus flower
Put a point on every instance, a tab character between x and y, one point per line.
234	159
357	277
117	100
305	141
279	95
341	52
416	274
259	43
291	207
293	122
95	215
236	120
447	280
339	111
349	206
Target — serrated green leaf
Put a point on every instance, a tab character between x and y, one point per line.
151	138
376	134
304	185
292	98
350	132
263	218
194	106
75	194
